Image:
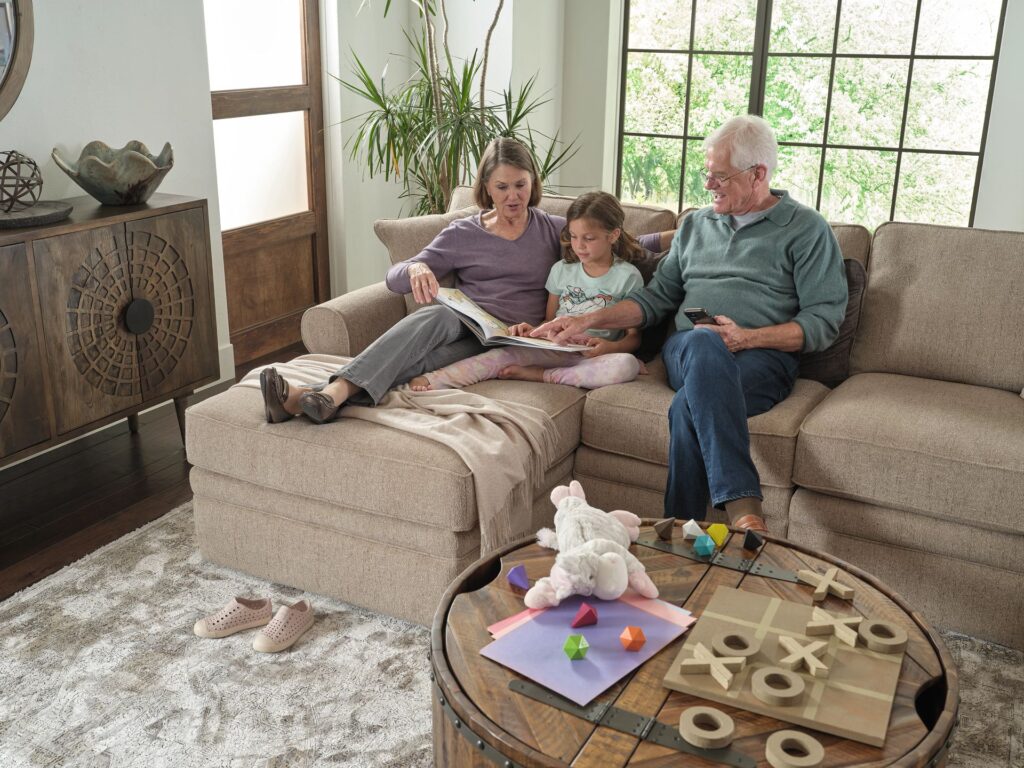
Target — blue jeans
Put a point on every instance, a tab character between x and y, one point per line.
716	390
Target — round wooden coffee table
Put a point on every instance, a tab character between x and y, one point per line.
480	721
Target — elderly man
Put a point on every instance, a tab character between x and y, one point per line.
769	272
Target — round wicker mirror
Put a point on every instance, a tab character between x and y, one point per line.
15	49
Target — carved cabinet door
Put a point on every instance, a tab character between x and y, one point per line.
167	257
24	412
85	291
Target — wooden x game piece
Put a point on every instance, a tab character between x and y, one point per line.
704	662
807	655
843	627
823	584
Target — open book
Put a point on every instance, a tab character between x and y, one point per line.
489	329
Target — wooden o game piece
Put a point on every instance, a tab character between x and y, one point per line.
704	545
804	655
664	528
706	727
751	541
793	749
843	627
705	662
718	533
736	642
825	583
777	686
883	636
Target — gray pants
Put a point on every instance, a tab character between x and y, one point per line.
424	341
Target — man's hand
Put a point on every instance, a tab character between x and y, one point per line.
424	284
520	329
562	329
735	338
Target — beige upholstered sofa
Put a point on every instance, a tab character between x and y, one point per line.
913	467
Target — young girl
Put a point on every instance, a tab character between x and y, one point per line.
595	272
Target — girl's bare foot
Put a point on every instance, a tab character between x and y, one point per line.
419	384
522	373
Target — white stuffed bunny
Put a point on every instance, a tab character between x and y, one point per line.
593	552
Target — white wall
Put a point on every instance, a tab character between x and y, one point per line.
354	200
116	71
1001	194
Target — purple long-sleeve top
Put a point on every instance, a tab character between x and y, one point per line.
505	277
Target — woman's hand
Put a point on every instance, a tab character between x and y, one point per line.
520	329
424	284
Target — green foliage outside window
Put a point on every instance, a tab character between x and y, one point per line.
849	108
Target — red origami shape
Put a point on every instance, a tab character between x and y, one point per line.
585	616
632	638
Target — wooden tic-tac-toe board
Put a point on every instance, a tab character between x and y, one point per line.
853	701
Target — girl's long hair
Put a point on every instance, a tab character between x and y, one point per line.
603	208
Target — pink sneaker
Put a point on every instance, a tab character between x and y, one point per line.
240	613
289	624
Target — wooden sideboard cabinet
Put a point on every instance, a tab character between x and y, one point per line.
102	315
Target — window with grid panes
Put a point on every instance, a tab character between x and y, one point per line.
880	106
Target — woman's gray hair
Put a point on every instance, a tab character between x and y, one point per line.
751	141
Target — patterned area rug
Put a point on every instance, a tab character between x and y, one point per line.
99	667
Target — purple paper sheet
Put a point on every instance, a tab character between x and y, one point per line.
534	649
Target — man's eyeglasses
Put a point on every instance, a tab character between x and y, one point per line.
722	180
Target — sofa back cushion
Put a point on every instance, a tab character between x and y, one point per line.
944	303
640	219
404	238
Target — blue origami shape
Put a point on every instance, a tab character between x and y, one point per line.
704	545
517	577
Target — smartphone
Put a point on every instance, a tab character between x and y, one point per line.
698	315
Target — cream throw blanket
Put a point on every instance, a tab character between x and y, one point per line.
507	446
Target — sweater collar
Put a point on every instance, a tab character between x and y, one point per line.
779	214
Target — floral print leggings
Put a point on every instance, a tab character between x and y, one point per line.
561	368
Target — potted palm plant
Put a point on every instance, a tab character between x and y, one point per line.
429	131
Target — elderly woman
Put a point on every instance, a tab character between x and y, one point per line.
500	258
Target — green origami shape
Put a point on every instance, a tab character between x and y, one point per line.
576	647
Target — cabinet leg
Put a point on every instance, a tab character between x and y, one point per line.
180	404
133	423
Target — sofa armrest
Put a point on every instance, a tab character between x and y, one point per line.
347	324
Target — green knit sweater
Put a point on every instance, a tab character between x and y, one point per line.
786	266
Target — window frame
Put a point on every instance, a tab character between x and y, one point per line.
761	54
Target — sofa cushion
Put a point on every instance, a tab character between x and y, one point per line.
944	303
831	366
404	238
640	219
854	241
363	466
941	449
632	420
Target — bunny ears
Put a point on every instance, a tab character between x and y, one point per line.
560	492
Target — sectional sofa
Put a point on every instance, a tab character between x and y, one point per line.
911	466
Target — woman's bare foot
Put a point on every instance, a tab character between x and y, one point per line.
522	373
420	384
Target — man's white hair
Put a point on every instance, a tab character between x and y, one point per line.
750	141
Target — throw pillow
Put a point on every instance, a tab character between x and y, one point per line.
831	366
404	238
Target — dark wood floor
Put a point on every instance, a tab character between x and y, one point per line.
60	506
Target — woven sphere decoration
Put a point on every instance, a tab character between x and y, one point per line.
21	183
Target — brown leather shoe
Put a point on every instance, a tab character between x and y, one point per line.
319	407
275	393
751	523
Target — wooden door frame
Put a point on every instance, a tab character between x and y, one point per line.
307	98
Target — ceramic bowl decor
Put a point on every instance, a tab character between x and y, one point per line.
126	176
